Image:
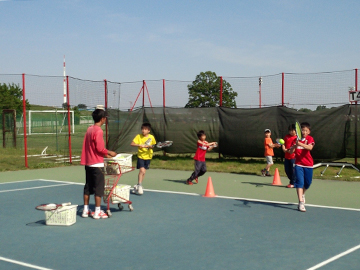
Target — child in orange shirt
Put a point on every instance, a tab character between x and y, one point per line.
269	152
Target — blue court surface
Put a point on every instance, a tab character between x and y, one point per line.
173	230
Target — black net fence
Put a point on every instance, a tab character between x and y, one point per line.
240	132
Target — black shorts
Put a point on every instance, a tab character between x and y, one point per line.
143	163
95	181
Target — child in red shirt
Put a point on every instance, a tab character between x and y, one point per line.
289	157
303	163
200	165
92	157
269	152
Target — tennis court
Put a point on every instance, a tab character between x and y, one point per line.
250	225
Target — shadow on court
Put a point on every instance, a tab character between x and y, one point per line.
256	184
246	203
176	181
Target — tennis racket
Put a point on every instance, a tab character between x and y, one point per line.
164	144
298	130
51	206
215	144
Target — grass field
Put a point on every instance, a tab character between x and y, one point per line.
13	159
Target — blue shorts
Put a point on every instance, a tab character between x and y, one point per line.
143	163
303	177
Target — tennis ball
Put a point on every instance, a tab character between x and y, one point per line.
281	141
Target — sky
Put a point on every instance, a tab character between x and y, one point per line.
176	40
126	41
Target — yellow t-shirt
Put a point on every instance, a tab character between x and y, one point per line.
144	153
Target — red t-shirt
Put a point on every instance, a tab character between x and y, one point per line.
93	150
200	151
302	156
289	141
268	150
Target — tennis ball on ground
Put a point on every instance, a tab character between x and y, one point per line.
281	141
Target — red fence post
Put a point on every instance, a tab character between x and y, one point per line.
24	122
68	113
106	105
221	90
282	89
356	116
164	93
143	103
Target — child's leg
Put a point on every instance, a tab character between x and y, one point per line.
288	168
197	170
269	163
141	175
202	169
268	166
142	165
299	182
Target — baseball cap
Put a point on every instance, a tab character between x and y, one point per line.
267	130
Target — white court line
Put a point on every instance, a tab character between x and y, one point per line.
254	200
31	180
24	264
334	258
20	189
218	196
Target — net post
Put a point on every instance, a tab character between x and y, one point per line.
282	88
106	105
221	90
68	114
24	122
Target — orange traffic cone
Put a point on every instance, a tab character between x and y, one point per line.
209	189
276	181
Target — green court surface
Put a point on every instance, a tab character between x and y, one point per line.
251	224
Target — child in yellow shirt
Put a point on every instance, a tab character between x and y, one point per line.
145	143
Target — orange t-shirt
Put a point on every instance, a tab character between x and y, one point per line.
268	150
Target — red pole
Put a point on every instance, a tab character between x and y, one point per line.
282	89
106	105
163	93
143	104
356	116
260	82
69	122
221	90
24	116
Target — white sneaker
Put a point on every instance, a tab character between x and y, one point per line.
98	215
303	198
301	207
86	214
134	190
140	190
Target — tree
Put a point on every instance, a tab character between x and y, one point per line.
320	107
304	110
205	92
82	106
11	98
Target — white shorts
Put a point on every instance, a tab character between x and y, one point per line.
269	160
